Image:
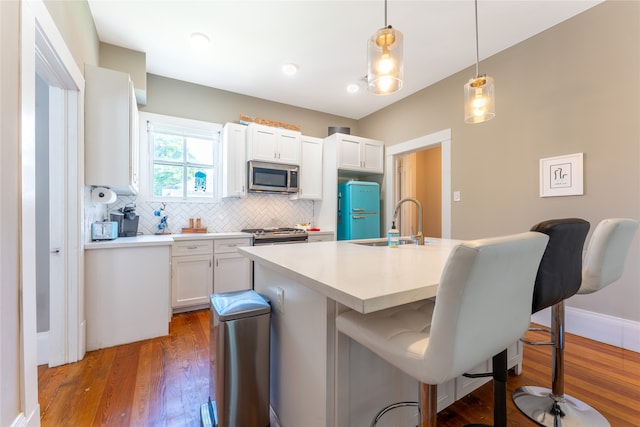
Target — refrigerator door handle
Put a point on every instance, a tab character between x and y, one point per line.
358	217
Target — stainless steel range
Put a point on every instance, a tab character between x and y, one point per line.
276	236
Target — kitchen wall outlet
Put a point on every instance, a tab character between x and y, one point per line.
280	300
456	196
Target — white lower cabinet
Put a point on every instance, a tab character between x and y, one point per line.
126	294
201	267
232	271
191	274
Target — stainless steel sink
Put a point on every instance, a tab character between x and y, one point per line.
382	242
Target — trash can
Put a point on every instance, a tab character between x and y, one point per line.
239	361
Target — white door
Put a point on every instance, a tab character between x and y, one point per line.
57	230
406	221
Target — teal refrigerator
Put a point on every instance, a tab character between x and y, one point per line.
358	210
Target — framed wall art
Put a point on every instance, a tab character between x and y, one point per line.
562	176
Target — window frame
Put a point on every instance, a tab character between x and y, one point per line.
189	127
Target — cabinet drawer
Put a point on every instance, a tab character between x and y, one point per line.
222	246
192	247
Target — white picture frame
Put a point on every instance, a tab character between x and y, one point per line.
562	176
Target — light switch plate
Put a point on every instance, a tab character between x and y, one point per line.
456	196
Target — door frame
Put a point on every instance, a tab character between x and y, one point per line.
44	52
441	138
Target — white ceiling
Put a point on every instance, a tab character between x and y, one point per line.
327	39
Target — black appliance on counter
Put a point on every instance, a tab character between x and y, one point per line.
127	220
277	236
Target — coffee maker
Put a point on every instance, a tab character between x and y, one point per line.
127	220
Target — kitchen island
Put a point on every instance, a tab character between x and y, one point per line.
320	377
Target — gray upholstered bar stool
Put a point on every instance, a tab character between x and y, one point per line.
559	277
482	306
603	264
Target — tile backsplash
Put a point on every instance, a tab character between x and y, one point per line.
254	211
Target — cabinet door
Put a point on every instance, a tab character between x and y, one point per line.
372	156
288	147
232	272
348	153
310	168
264	143
111	157
191	280
134	141
234	162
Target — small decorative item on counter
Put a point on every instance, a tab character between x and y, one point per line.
393	236
163	225
197	228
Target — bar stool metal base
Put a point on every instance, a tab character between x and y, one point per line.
541	406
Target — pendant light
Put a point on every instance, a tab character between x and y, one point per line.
384	60
479	92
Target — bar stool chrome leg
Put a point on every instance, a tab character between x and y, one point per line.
551	407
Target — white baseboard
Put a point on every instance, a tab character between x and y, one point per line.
598	327
32	420
20	421
43	348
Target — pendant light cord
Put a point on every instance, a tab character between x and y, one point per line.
385	13
477	50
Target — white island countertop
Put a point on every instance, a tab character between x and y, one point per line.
364	278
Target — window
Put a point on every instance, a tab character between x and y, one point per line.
183	159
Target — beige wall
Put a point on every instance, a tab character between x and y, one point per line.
182	99
573	88
74	21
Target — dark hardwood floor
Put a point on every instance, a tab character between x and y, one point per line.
163	382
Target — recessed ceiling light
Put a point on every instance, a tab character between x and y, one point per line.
199	41
290	69
353	88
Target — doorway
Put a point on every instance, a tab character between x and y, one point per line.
52	191
419	176
405	159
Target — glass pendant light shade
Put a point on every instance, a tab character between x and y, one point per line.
479	92
385	63
479	99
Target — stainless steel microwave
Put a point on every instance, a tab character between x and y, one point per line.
273	177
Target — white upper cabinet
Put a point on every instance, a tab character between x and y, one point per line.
359	154
310	169
271	144
111	131
233	161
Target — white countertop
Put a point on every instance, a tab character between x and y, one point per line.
159	239
364	278
196	236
